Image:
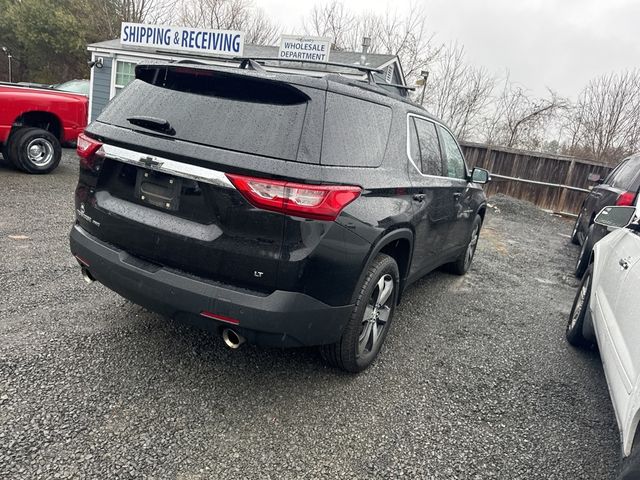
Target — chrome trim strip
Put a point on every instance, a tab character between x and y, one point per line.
164	165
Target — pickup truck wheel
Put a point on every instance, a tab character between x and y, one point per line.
579	312
462	264
370	319
35	150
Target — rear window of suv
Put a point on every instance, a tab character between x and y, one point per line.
229	111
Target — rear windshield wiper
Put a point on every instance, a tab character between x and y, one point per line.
153	123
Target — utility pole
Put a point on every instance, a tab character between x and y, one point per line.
425	75
9	56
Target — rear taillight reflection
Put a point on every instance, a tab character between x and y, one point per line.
320	202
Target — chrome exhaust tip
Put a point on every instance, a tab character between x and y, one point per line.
232	339
86	275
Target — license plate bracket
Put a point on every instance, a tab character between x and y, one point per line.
158	189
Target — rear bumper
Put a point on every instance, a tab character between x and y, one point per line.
283	319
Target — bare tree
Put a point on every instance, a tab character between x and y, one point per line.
604	123
520	120
230	15
407	37
107	15
457	92
332	20
404	35
260	30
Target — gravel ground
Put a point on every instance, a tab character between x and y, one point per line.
475	381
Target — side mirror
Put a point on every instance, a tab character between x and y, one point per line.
480	175
595	178
615	217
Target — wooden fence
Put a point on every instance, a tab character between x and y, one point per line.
553	182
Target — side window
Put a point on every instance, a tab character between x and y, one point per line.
455	160
355	131
430	157
625	176
414	146
609	178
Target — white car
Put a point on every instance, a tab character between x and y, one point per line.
606	310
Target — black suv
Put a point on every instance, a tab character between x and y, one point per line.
620	188
284	210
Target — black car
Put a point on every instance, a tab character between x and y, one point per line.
283	210
619	188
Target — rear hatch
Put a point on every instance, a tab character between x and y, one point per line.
157	187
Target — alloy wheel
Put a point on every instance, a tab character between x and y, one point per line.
376	315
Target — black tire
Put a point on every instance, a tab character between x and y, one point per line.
574	234
7	149
5	155
359	345
580	312
585	253
631	465
34	150
462	264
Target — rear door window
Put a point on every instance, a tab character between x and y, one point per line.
355	131
624	178
455	161
430	159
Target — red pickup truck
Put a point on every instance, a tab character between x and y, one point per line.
35	122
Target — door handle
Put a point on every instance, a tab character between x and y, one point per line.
457	195
623	263
419	197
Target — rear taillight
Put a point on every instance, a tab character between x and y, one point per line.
86	148
626	199
320	202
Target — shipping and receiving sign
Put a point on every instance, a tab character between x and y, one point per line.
304	48
183	39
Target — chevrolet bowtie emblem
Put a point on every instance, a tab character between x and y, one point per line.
150	162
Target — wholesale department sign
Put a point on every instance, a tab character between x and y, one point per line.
183	39
314	49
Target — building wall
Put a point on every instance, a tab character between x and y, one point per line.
101	87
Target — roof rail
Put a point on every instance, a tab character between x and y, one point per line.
252	62
397	85
362	68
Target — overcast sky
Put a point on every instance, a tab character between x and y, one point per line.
560	44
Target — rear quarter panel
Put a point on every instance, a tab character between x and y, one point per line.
69	109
